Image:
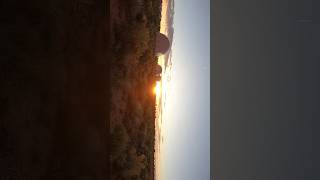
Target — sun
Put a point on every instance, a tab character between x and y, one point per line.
157	89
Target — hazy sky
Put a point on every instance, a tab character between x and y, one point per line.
266	90
186	150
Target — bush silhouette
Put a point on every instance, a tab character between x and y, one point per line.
119	141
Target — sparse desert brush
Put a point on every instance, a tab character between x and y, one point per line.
134	106
134	37
129	59
140	33
147	56
119	141
135	164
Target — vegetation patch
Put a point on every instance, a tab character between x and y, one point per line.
133	101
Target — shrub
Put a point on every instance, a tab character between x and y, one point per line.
119	141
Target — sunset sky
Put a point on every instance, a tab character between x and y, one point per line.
185	128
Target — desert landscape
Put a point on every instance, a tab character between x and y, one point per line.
132	122
76	89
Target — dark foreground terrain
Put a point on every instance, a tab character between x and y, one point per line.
55	90
76	89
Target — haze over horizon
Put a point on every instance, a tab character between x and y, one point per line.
183	115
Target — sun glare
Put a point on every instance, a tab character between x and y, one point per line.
157	89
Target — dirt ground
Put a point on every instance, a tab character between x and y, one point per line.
55	90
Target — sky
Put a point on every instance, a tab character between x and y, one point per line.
266	90
185	128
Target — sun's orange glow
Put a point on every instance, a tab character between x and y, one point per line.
157	89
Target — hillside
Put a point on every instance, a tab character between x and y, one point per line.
132	120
